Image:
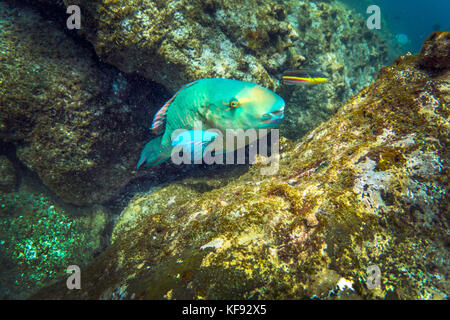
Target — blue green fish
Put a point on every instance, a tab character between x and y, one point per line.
215	103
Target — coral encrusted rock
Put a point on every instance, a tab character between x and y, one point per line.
366	190
70	117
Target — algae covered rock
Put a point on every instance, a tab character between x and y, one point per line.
39	239
366	190
175	42
169	197
434	53
335	41
72	119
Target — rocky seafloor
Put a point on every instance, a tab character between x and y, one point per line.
366	187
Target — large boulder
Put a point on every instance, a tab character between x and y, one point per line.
434	52
335	40
39	238
177	41
77	123
368	188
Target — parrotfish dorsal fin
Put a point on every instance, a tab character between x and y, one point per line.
160	117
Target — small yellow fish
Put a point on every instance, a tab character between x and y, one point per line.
301	77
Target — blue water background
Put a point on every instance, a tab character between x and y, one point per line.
415	18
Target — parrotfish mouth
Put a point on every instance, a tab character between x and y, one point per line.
274	121
274	117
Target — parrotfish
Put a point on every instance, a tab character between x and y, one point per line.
217	104
301	77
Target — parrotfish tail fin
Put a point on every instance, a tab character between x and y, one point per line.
151	154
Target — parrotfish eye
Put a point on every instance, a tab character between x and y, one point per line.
234	103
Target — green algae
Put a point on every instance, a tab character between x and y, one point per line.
389	158
39	241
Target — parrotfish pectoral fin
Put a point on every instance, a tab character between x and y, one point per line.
194	142
151	154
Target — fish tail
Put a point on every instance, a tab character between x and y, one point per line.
151	154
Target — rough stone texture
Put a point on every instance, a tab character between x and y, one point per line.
40	238
178	41
8	175
368	187
435	51
74	121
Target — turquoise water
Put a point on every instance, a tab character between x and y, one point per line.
414	18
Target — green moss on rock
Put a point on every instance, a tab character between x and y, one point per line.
39	240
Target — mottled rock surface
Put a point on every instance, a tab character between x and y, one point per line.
8	175
178	41
76	122
368	187
41	236
81	125
435	51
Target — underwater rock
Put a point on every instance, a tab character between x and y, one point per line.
70	117
435	51
8	176
175	194
39	239
175	42
367	188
